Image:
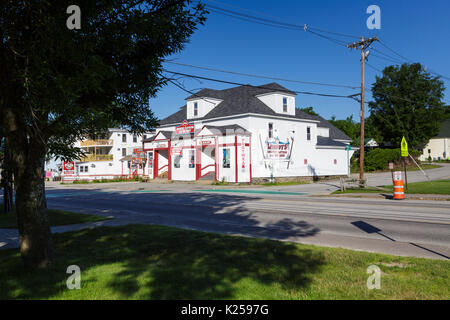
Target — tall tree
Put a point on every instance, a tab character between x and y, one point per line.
309	110
59	84
407	102
348	126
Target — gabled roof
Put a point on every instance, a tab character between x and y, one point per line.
166	134
176	117
226	130
235	101
329	142
243	100
335	133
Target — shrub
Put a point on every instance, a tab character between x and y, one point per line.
378	159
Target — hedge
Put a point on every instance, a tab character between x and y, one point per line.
378	159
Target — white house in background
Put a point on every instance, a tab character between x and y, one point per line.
106	156
438	148
242	134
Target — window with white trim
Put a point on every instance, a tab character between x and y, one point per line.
177	161
285	106
195	109
191	159
226	158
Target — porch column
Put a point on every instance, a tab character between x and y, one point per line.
236	157
250	155
198	162
169	177
155	164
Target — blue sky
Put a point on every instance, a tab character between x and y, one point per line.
418	30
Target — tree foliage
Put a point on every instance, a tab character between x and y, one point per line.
350	127
58	84
309	110
407	102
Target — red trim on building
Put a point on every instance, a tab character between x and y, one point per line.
236	157
155	164
169	161
216	154
250	155
198	163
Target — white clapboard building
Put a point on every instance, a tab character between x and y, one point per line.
243	134
106	156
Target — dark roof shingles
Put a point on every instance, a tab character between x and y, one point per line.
242	99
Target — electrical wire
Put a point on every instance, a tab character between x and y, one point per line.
262	77
260	87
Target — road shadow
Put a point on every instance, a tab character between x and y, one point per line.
368	228
155	262
201	211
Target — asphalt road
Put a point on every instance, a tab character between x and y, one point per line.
407	228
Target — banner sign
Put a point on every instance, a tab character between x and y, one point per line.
69	167
206	142
177	151
157	145
277	149
185	128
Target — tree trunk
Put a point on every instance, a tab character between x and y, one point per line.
28	159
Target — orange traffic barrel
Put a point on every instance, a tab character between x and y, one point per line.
399	190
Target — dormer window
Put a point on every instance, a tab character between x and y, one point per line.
195	109
285	108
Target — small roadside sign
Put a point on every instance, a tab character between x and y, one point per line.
348	148
404	148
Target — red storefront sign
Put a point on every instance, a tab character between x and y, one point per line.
69	167
177	151
184	128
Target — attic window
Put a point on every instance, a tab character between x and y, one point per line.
284	104
195	109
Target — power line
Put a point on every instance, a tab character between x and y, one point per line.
277	23
385	58
395	52
335	33
374	68
175	83
411	61
295	27
260	87
265	20
386	55
263	77
240	8
339	42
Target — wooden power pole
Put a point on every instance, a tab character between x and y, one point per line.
362	45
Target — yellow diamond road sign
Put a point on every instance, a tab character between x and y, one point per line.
404	148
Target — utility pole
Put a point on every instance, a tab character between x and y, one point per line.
362	45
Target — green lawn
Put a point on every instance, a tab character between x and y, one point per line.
427	187
355	168
56	218
155	262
